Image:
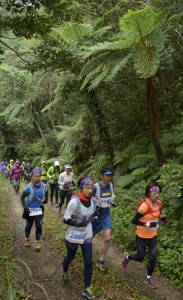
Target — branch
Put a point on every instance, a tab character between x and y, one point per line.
6	45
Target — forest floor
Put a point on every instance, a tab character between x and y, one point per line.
45	266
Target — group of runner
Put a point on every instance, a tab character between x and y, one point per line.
88	213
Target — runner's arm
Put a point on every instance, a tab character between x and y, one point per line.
22	198
46	196
75	223
136	218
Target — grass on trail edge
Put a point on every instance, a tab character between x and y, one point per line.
6	266
107	286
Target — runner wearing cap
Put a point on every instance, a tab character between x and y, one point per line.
15	174
66	183
33	197
103	193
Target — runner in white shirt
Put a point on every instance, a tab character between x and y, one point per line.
65	183
78	215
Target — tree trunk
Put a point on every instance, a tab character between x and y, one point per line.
154	118
100	121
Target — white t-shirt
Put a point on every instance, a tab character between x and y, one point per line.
64	179
76	234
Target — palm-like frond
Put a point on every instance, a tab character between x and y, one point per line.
143	36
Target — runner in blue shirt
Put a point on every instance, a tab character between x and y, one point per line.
103	193
33	197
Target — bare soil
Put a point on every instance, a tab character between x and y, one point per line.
45	265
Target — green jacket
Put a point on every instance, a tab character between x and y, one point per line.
53	174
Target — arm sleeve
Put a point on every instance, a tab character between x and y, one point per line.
46	195
48	172
22	198
136	218
60	180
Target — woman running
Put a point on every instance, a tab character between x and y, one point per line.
78	216
33	197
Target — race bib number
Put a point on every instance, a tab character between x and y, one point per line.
76	237
35	211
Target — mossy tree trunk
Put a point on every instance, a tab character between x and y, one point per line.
101	123
154	117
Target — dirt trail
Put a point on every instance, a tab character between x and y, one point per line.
45	264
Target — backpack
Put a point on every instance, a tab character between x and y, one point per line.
150	209
97	195
78	208
31	195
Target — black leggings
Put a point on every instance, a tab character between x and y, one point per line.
63	194
87	258
38	223
142	244
54	188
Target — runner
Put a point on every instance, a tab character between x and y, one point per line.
4	169
33	197
65	182
146	219
15	174
44	170
53	175
27	172
78	216
103	193
10	165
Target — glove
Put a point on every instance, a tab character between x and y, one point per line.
82	224
163	219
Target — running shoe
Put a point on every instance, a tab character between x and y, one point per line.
151	283
37	245
26	242
101	265
125	261
64	277
87	293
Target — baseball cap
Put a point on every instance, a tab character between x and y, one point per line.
56	163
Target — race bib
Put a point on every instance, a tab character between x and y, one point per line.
35	211
76	237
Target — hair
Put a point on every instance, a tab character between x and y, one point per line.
149	186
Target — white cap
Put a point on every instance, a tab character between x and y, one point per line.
68	166
56	163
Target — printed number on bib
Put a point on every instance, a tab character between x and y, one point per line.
75	237
35	211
